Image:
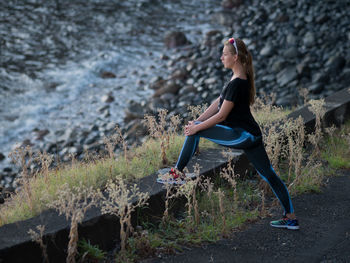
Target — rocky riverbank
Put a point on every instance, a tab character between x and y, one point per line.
296	46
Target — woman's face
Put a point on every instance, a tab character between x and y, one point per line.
227	58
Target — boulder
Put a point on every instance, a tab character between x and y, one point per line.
229	4
175	39
169	88
107	75
40	134
134	111
108	98
213	37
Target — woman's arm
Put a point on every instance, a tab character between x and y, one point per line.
210	111
220	116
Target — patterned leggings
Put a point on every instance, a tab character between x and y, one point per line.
253	148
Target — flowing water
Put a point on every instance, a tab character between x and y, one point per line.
53	52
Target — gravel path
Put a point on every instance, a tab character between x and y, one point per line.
324	235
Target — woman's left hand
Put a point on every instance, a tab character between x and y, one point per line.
190	129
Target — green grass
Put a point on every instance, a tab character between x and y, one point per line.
142	161
89	252
336	148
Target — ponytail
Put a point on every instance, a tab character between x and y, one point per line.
250	75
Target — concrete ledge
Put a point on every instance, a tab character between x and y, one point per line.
337	108
16	245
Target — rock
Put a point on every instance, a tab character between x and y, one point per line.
278	65
92	138
92	128
229	4
267	50
282	18
187	89
190	66
179	74
175	39
292	40
308	18
286	100
157	83
110	126
2	157
108	98
164	57
103	108
322	18
11	117
303	70
107	75
309	39
335	64
320	77
106	113
69	136
7	170
26	143
291	52
168	97
211	81
190	81
345	76
136	129
213	38
287	75
170	88
224	18
135	110
155	104
316	88
94	147
40	134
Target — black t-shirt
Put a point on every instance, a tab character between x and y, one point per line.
237	91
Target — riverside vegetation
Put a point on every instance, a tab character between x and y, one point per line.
296	156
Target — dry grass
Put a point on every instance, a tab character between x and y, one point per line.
335	148
73	203
121	201
38	238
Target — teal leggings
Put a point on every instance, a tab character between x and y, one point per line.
254	149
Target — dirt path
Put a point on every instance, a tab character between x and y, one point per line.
324	235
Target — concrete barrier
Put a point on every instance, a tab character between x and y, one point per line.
15	242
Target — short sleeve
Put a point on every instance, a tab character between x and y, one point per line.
231	93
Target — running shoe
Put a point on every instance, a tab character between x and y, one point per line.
173	177
285	222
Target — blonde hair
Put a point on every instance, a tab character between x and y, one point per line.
246	59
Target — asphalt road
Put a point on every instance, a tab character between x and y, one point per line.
324	234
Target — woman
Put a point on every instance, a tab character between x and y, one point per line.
229	122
